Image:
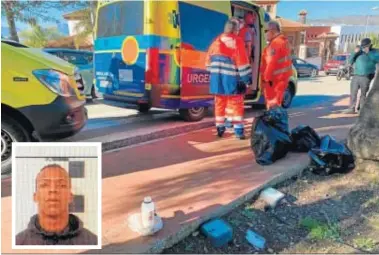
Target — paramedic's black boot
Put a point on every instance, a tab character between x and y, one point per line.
239	133
220	131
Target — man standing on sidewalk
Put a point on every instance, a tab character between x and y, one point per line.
365	59
276	67
230	73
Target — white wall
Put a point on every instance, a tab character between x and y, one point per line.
71	27
27	169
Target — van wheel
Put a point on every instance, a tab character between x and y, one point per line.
93	92
11	132
193	114
143	108
288	96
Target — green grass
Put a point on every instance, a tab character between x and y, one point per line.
372	202
367	244
320	231
248	213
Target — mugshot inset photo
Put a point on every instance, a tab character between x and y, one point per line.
56	195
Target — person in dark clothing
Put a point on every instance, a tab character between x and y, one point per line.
54	225
365	59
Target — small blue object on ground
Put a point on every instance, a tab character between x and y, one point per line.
256	240
218	231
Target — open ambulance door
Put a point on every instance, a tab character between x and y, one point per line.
200	23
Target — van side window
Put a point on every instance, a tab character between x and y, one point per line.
200	26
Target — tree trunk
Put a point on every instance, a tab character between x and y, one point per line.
11	21
363	138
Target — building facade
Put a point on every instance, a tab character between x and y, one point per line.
350	36
270	6
312	41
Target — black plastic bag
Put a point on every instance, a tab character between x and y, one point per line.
304	139
270	138
332	157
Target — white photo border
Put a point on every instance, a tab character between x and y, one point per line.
99	194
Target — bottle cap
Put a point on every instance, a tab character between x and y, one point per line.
147	200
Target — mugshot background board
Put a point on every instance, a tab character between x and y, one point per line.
83	164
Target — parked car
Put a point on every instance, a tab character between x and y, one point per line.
83	60
40	99
304	68
332	65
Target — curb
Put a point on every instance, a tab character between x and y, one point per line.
133	140
168	242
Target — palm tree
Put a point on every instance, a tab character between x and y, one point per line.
37	37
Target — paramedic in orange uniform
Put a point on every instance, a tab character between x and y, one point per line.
276	67
230	73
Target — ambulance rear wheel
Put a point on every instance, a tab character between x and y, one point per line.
143	108
193	114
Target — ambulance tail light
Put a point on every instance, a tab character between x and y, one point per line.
152	66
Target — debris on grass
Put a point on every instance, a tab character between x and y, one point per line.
218	232
272	197
255	240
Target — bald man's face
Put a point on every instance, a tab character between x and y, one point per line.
53	194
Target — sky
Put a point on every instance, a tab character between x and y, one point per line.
288	9
326	9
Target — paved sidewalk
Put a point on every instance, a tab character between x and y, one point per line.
192	177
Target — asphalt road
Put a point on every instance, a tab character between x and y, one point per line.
310	92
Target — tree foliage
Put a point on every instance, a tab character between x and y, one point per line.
37	37
32	12
374	40
85	26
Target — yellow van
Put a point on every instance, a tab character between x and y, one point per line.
40	99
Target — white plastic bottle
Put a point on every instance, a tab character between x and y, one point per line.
148	212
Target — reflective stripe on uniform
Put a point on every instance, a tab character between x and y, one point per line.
238	125
220	71
248	71
242	68
284	59
283	70
237	118
220	119
220	64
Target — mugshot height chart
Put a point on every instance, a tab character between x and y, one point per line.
82	165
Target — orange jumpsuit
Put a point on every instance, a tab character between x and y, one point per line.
228	65
276	70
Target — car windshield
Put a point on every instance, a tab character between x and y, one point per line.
339	58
